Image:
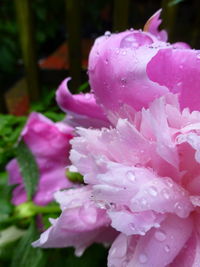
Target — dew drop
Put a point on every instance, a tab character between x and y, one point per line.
169	183
123	82
107	33
167	248
131	176
166	193
179	84
179	209
198	56
153	191
112	252
160	235
144	201
143	258
124	53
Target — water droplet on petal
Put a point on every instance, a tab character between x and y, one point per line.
166	193
113	251
167	248
107	33
135	40
160	235
169	183
179	209
198	56
153	191
143	258
131	176
144	202
123	82
179	84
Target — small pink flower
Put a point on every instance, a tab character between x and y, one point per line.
49	143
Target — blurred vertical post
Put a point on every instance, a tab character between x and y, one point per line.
121	15
3	108
28	46
73	19
169	12
195	30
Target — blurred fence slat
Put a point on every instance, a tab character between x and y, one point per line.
169	13
73	19
121	15
28	46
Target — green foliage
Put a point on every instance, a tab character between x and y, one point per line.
10	128
94	256
5	196
25	255
28	169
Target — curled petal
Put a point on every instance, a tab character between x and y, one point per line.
80	104
152	26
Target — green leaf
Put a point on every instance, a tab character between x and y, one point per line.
25	255
28	169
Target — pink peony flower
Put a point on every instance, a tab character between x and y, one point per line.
49	143
145	174
142	174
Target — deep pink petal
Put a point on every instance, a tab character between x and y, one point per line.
80	104
179	71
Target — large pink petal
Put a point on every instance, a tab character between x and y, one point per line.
166	241
190	254
179	70
117	70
